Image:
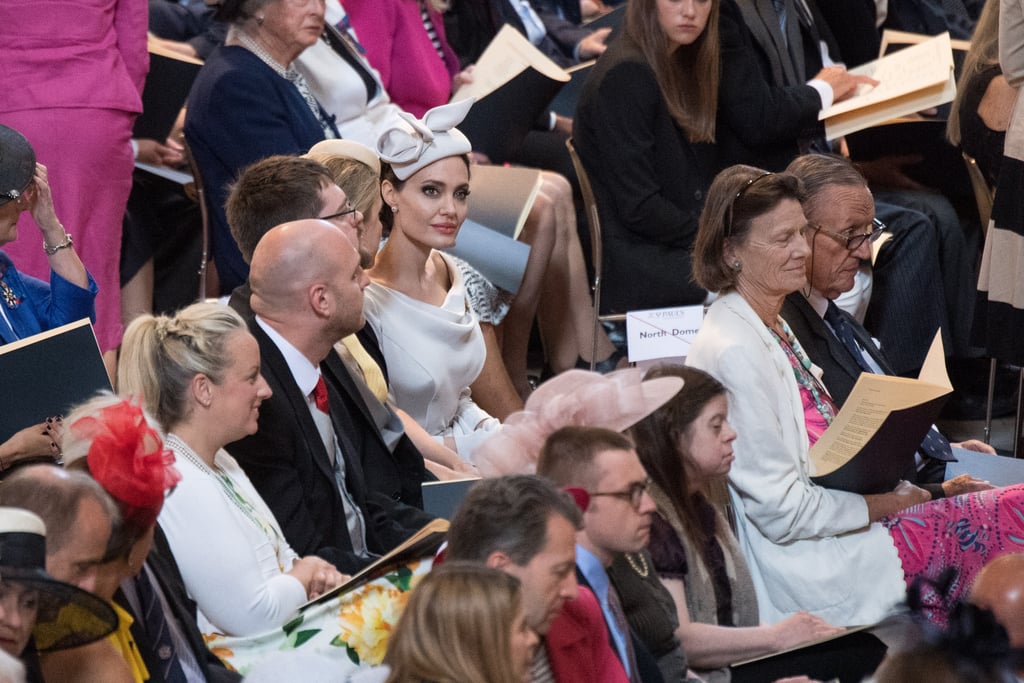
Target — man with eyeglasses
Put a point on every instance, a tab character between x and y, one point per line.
603	467
841	227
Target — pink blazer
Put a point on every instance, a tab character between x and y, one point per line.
73	54
397	45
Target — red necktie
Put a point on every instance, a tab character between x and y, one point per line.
320	396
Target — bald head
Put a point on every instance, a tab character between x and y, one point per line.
307	283
999	587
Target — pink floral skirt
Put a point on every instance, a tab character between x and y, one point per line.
965	532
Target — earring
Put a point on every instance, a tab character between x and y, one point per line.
259	21
394	208
737	266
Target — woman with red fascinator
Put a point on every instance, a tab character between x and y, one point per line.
114	441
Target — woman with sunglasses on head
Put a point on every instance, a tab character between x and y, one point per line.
845	557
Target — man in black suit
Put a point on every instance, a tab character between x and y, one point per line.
617	520
307	288
79	516
840	214
470	25
279	189
768	114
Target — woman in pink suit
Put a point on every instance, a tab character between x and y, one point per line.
72	75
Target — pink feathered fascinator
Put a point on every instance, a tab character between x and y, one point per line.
127	457
614	401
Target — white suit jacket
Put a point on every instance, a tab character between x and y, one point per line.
809	548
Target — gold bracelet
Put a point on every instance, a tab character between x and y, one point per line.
66	244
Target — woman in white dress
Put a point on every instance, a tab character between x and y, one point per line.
199	374
417	300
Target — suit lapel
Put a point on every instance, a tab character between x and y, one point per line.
277	373
868	344
761	19
836	351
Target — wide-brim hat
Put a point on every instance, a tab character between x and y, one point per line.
17	164
67	615
615	401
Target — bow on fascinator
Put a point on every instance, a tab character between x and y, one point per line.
127	457
614	401
431	138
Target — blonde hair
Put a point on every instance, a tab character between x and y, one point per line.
457	628
161	354
360	182
984	53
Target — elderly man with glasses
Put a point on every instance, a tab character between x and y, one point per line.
841	220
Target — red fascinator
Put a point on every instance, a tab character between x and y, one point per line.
127	457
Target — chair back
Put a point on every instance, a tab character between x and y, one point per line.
196	193
983	194
596	245
593	219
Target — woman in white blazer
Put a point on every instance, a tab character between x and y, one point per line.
845	557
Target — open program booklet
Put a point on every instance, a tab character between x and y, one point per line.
423	543
870	444
909	80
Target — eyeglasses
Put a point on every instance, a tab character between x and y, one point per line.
349	209
853	242
743	189
634	495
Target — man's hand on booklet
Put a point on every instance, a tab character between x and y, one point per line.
844	84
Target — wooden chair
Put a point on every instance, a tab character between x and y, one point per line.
596	246
195	192
983	194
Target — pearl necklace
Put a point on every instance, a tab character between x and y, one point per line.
643	570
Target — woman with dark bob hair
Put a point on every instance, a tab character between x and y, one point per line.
842	556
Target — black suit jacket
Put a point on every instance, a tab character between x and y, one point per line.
647	666
839	369
761	118
396	474
161	561
562	19
288	464
470	25
649	181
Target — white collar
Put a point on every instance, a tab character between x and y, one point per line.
305	373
